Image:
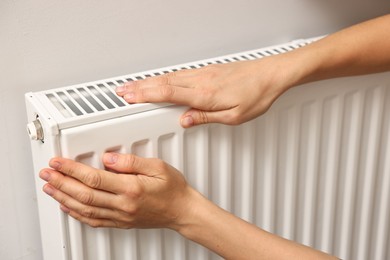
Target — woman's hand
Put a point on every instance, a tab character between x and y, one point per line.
147	193
230	93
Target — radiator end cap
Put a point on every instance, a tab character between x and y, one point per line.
35	130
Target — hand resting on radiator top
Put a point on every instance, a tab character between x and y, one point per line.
236	92
148	193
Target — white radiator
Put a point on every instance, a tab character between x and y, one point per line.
315	168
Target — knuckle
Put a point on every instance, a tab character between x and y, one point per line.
125	219
134	192
87	212
207	93
133	85
57	181
92	179
205	97
202	117
71	171
167	91
86	198
211	71
159	80
169	78
131	88
130	209
165	79
130	161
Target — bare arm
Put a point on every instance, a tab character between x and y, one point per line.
149	193
234	238
237	92
357	50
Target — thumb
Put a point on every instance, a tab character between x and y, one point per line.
128	163
195	117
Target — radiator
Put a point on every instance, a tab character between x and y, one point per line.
315	168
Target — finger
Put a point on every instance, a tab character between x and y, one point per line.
78	190
164	93
129	163
195	117
176	87
96	222
85	210
182	78
92	177
160	93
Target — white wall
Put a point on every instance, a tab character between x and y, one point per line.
52	43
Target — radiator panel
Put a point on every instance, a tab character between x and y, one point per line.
315	169
297	171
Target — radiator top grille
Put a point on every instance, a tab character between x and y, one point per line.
100	96
97	101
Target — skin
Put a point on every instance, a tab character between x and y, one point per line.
148	193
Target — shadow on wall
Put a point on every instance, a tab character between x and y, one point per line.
334	11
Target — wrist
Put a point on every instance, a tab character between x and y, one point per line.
303	64
207	224
191	206
200	219
288	70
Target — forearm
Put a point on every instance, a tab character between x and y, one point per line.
233	238
357	50
219	93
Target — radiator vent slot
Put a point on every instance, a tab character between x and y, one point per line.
80	100
86	100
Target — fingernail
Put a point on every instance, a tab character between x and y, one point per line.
129	96
44	175
55	165
120	89
110	158
48	190
187	121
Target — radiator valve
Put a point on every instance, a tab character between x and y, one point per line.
35	130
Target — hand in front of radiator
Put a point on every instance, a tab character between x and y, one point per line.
147	193
230	93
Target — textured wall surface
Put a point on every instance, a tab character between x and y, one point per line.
46	44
